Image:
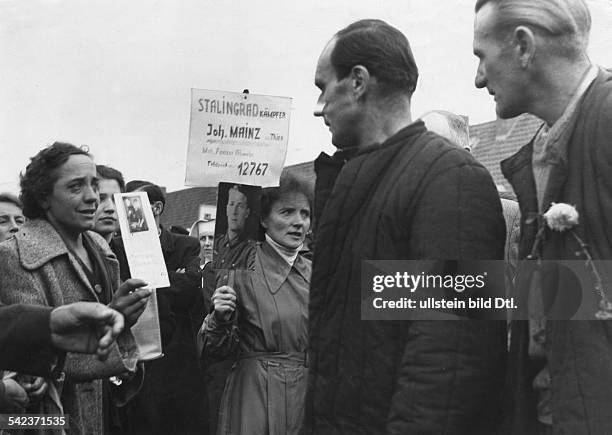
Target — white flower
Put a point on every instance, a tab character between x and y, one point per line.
561	217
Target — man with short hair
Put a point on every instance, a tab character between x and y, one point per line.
106	223
11	216
233	249
533	59
394	191
171	398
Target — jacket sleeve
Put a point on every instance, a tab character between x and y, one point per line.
218	339
450	373
25	339
122	359
184	286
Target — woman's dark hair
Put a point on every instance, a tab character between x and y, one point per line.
288	184
40	176
108	173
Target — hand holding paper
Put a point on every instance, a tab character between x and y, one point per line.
131	300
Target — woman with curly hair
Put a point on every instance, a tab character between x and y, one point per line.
54	259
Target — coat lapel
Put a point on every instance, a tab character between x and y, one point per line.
39	243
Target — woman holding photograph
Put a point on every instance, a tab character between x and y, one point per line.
263	313
54	260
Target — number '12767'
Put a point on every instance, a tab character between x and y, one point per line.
252	168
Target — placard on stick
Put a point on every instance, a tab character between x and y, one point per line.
236	138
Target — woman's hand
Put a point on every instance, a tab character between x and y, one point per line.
131	300
224	301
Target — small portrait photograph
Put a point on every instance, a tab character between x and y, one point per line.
135	214
237	225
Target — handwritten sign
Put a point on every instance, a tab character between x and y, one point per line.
237	138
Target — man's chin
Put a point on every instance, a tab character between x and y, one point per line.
505	113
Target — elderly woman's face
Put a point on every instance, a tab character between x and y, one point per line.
72	204
289	220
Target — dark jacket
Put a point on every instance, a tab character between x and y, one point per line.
170	398
580	352
167	321
416	196
25	339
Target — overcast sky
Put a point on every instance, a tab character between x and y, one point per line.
116	75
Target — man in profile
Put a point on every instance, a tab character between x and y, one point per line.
533	59
394	191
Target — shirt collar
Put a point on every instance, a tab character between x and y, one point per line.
550	145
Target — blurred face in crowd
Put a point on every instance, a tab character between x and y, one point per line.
336	103
288	220
237	211
498	65
106	221
11	218
72	204
206	236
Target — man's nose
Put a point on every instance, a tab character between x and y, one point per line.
14	227
318	111
480	81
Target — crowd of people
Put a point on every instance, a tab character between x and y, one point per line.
259	339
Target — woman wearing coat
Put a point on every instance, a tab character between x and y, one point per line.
264	313
54	260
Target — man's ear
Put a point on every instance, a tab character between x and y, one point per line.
158	208
525	41
248	212
360	80
263	223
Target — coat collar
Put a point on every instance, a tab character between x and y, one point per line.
521	164
38	243
166	240
276	269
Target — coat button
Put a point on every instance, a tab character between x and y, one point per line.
98	288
